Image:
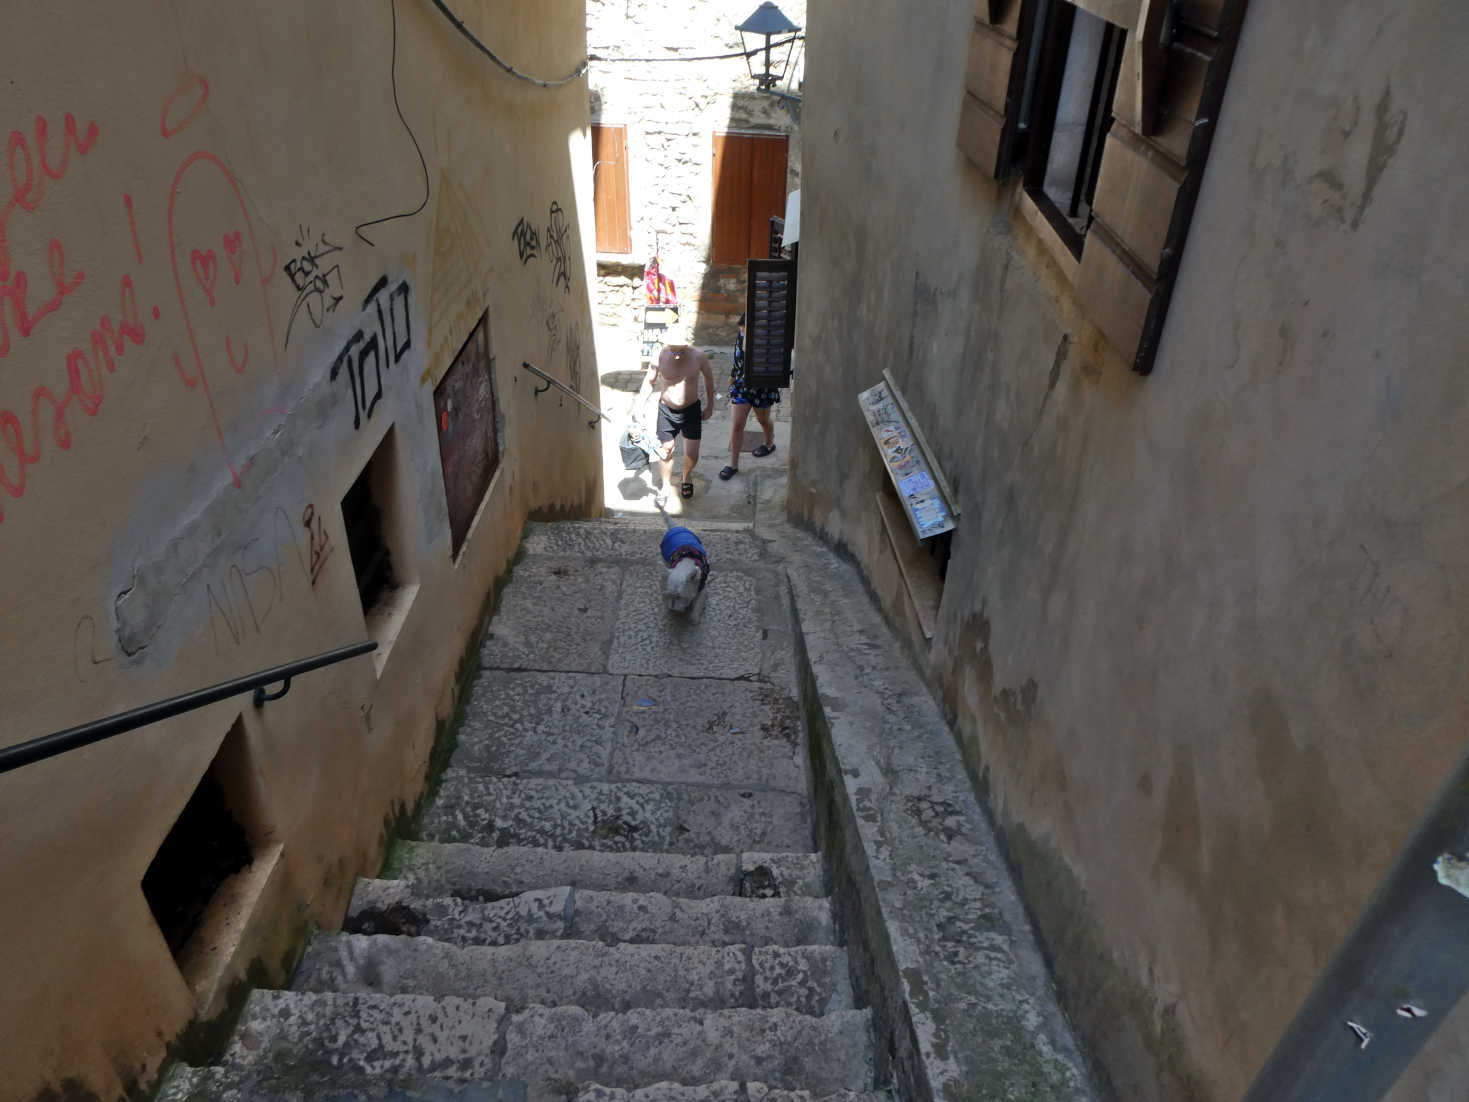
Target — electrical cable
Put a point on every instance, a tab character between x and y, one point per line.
705	57
393	76
576	74
581	69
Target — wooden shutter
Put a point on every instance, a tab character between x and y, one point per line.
1152	168
770	321
609	189
730	234
749	188
767	191
994	79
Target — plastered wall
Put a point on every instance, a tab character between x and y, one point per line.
1203	634
672	110
239	247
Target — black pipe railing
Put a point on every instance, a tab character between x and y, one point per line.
550	382
73	738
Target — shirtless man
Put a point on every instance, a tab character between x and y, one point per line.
679	408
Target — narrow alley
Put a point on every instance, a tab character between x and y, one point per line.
1073	702
615	885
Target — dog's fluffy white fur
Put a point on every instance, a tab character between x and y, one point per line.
681	591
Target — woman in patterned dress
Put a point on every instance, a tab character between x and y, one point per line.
742	399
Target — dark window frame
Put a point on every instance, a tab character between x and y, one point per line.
1052	24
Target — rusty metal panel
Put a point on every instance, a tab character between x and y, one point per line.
469	445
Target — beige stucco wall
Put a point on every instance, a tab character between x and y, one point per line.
672	110
1203	634
151	540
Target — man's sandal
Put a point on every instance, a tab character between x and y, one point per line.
763	450
687	489
728	473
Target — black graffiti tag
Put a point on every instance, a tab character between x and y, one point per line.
318	288
384	346
558	233
527	241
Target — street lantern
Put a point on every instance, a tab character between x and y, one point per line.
768	22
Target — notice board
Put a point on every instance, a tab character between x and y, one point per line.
921	486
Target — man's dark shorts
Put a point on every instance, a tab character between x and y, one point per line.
688	420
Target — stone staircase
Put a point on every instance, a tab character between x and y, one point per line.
613	894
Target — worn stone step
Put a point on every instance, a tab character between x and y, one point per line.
525	723
638	542
221	1084
578	726
393	907
481	873
723	1091
707	731
588	974
322	1037
614	816
548	1046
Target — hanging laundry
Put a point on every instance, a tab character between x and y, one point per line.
661	291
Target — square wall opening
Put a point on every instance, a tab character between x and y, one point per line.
217	835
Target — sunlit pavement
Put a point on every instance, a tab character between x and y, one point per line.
756	493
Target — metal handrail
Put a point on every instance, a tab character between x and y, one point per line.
73	738
533	369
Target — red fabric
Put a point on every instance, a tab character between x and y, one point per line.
661	291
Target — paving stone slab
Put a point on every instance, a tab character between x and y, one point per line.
548	1046
725	1091
777	875
644	918
726	818
393	907
639	542
554	615
518	723
723	920
724	641
589	974
712	732
480	873
186	1084
763	1092
558	814
386	1037
613	816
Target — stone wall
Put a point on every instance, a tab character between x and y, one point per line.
240	247
1203	634
672	110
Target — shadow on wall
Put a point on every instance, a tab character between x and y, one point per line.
749	188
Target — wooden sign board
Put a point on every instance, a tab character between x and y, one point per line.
920	487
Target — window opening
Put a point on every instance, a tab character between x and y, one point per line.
1070	111
206	845
363	518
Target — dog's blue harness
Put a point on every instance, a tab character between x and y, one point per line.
679	544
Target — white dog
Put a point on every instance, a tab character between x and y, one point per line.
688	569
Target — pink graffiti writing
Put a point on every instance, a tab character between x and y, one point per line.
204	264
188	97
86	371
